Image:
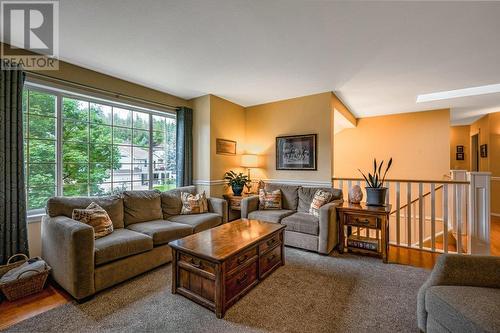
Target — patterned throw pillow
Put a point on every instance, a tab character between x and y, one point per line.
95	216
320	198
269	200
194	204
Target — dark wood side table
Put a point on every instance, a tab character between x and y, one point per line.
364	229
234	204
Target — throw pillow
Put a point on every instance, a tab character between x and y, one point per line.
194	204
320	198
269	200
95	216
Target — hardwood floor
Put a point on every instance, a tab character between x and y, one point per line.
16	311
53	296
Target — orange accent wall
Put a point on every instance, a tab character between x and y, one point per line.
418	142
460	136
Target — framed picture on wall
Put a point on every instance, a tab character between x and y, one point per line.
484	150
460	149
296	152
225	147
460	156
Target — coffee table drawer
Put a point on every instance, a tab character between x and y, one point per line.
270	242
269	260
238	282
241	259
362	221
191	261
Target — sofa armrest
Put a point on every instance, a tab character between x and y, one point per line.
248	205
68	247
459	270
219	207
328	227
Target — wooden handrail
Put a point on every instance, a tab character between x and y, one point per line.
415	200
465	182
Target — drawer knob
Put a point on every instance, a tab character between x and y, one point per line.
196	264
271	242
365	221
242	259
242	279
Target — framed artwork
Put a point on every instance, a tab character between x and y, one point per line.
460	156
484	150
225	147
296	152
460	149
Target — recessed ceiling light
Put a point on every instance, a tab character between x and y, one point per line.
474	91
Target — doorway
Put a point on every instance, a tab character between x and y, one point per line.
474	153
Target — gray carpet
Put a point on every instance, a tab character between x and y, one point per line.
311	293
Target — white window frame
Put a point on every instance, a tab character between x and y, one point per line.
36	214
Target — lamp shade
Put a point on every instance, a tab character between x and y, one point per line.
249	161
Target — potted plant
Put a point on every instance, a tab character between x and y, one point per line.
237	181
375	192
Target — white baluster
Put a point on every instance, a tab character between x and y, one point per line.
445	218
398	213
421	214
408	213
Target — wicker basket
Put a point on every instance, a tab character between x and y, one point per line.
23	286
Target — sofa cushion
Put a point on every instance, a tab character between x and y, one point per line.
171	203
464	309
302	222
141	206
306	195
162	231
63	206
274	215
119	244
95	216
320	199
198	222
289	194
269	200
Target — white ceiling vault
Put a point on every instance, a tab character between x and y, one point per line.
377	56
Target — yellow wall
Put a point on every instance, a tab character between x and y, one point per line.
214	118
460	135
482	126
303	115
419	144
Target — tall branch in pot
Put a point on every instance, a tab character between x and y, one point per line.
376	180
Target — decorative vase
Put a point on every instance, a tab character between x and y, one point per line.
237	189
355	194
375	196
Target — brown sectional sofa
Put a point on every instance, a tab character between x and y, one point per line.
303	230
144	222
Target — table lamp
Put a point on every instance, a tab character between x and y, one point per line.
249	161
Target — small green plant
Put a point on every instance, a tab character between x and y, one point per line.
236	179
377	180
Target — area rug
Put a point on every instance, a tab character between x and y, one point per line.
311	293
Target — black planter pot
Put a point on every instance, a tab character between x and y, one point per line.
237	189
375	196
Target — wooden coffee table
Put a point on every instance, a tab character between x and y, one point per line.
217	267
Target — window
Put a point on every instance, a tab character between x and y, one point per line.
78	146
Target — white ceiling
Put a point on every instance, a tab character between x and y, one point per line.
376	56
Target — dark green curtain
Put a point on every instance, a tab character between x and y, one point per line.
184	146
13	228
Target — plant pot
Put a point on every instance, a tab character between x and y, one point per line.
375	196
237	189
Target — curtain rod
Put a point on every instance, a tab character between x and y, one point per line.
99	90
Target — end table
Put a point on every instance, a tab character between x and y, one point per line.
372	221
234	204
